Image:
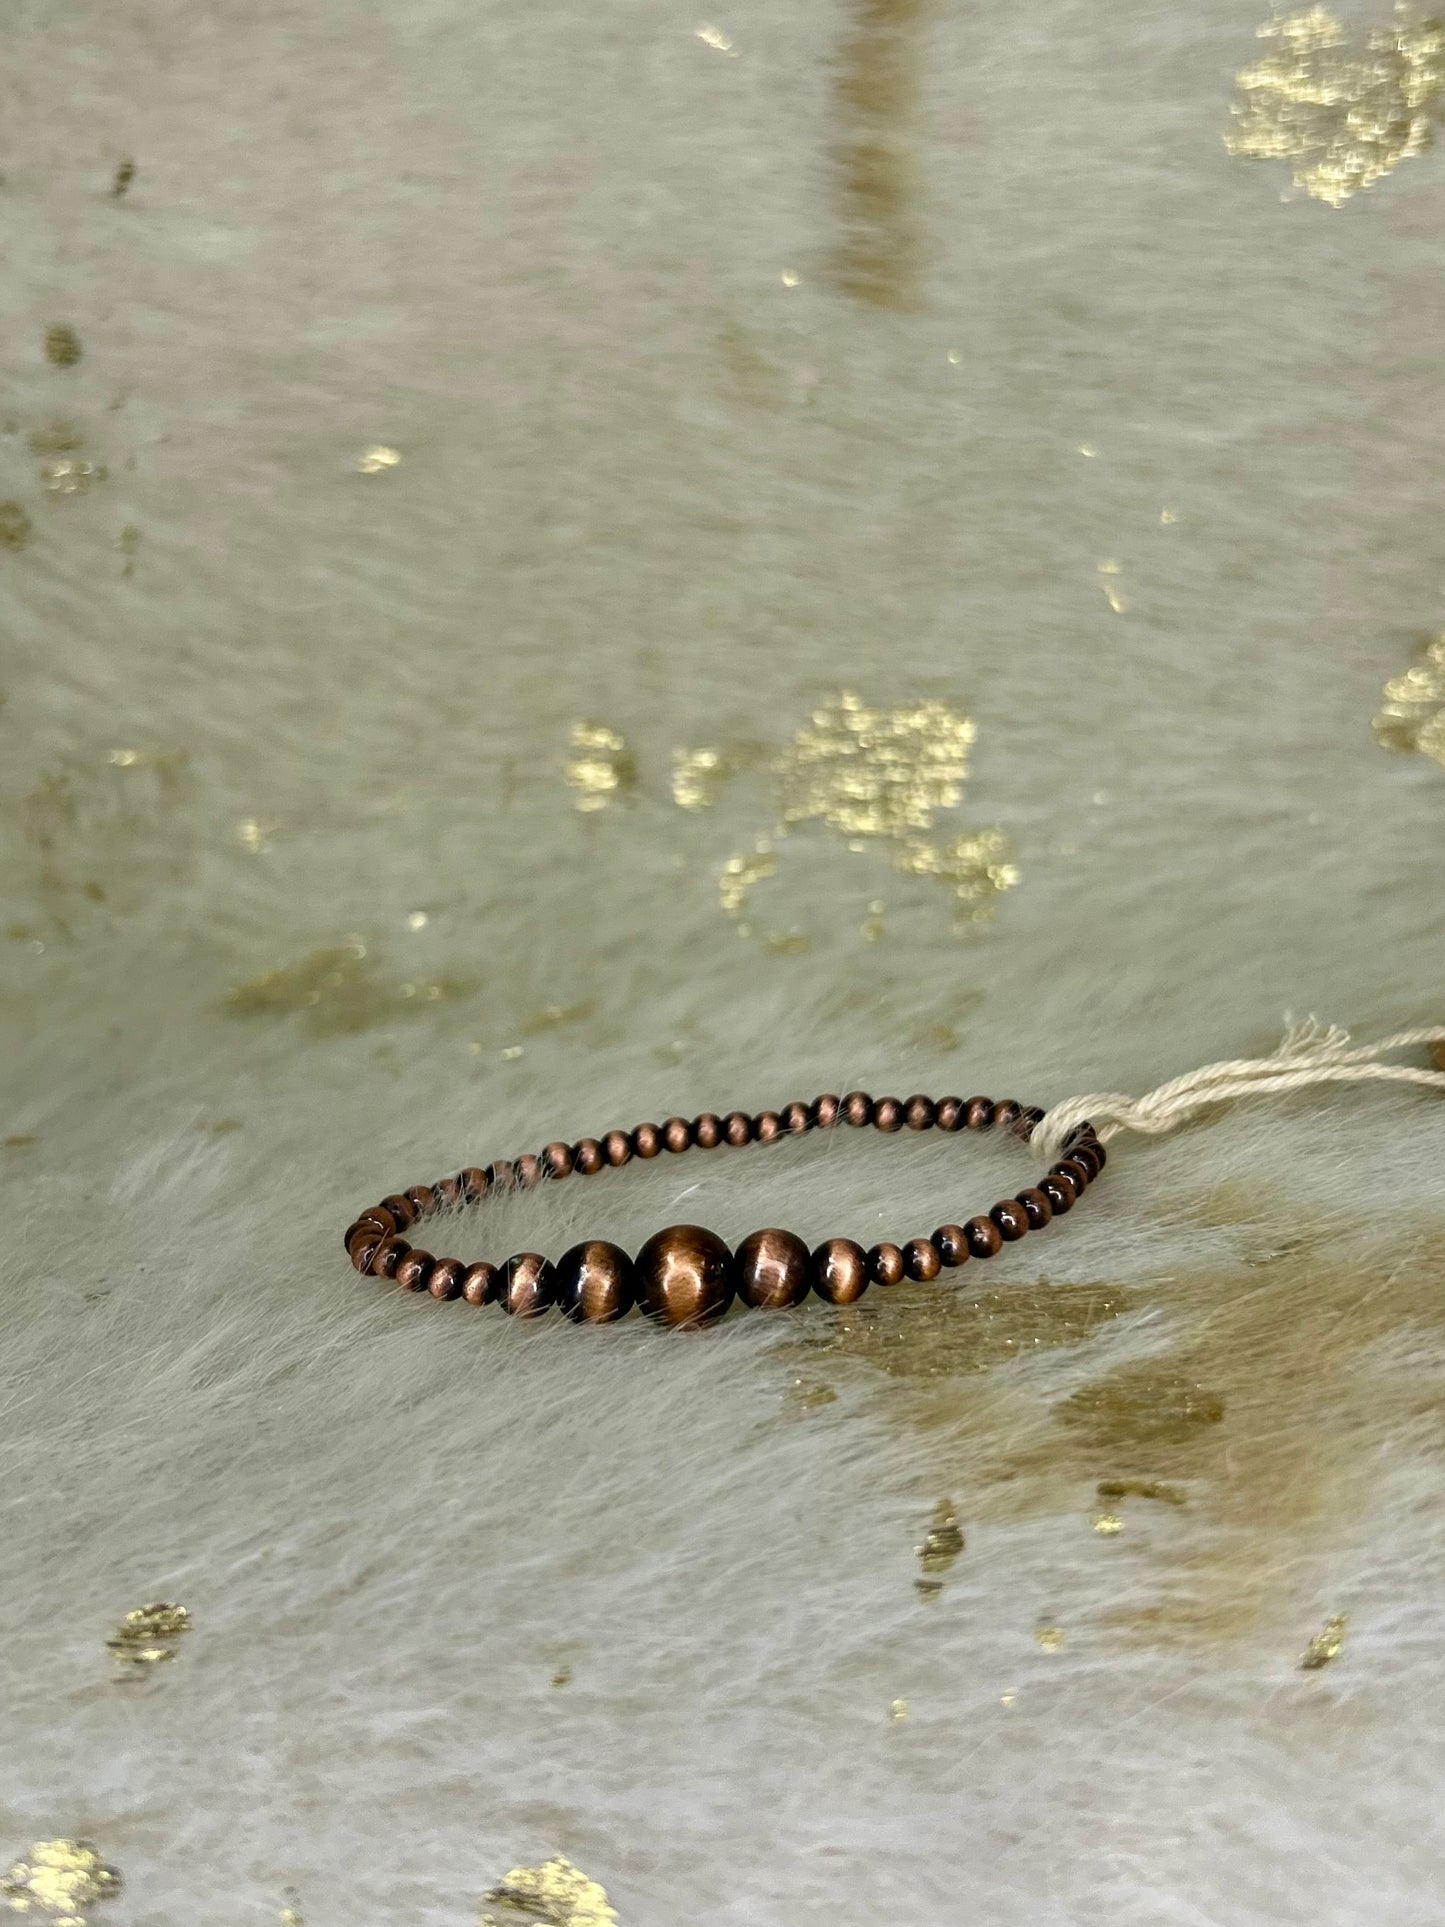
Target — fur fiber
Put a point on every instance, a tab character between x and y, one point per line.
315	723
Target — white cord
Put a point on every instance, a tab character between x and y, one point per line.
1310	1053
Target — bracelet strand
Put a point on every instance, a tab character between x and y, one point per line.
685	1275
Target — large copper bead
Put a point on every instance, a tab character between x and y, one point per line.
773	1270
525	1288
595	1282
387	1256
446	1278
684	1276
415	1270
480	1282
840	1271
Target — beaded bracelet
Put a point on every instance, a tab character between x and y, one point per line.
685	1275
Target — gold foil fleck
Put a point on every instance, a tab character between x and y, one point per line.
1412	712
699	774
1325	1646
790	277
124	175
898	1710
556	1894
149	1636
944	1540
1141	1489
1342	105
601	769
377	459
741	874
1142	1405
253	833
1050	1638
14	526
70	476
61	1879
62	345
1108	1525
714	37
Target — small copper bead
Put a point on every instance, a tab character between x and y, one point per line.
921	1260
1084	1134
446	1278
1037	1208
985	1240
951	1243
449	1192
647	1140
502	1176
888	1114
840	1271
684	1276
823	1114
1011	1218
948	1114
402	1210
479	1284
414	1271
1032	1118
530	1171
387	1256
767	1127
352	1230
617	1147
885	1265
1060	1193
595	1282
919	1113
423	1197
362	1251
707	1131
525	1288
1087	1155
738	1128
1007	1114
1073	1168
773	1270
379	1216
795	1118
1099	1152
558	1159
676	1133
858	1108
588	1156
978	1113
474	1183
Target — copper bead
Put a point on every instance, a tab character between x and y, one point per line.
595	1282
824	1111
1011	1219
588	1156
414	1271
558	1159
525	1288
978	1113
773	1270
738	1128
617	1147
1060	1193
919	1113
1090	1156
479	1283
985	1240
951	1243
422	1197
1076	1169
676	1133
684	1276
474	1183
767	1127
402	1210
387	1256
1036	1206
795	1119
885	1265
948	1113
921	1260
707	1130
647	1140
888	1114
530	1171
840	1271
858	1108
446	1278
1006	1115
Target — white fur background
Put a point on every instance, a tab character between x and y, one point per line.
644	481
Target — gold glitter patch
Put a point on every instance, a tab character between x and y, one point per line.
898	1710
1108	1525
1325	1646
1143	1405
149	1636
1412	712
14	526
1050	1638
1343	105
914	1332
602	767
342	989
377	459
556	1894
62	345
944	1541
61	1879
70	475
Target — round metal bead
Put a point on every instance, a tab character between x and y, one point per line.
985	1240
919	1113
1060	1192
379	1216
1037	1208
795	1118
414	1271
479	1284
978	1114
824	1112
767	1127
951	1243
1075	1169
1087	1155
530	1171
840	1271
921	1260
676	1133
402	1210
1011	1218
588	1156
1099	1152
773	1270
707	1130
885	1265
948	1114
858	1108
558	1159
1032	1118
738	1128
684	1276
502	1176
446	1278
422	1197
595	1282
362	1250
888	1114
474	1183
449	1192
525	1288
617	1147
1007	1115
388	1255
647	1140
